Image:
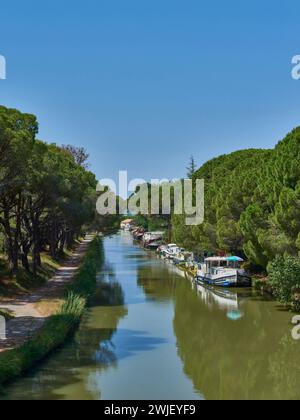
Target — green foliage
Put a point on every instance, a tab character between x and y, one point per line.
284	279
13	363
152	223
47	195
191	169
229	184
252	204
74	305
85	281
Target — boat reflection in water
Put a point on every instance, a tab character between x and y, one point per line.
226	300
230	301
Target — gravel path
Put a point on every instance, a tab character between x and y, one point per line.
28	319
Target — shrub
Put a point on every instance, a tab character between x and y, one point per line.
284	278
84	283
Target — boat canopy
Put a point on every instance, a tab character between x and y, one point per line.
223	259
156	233
235	259
127	221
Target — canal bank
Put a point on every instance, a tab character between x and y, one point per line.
151	333
36	339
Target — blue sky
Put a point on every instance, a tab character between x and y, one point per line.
143	84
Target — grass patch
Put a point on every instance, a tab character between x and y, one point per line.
85	281
57	328
48	307
8	315
25	282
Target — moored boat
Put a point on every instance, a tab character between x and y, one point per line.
170	251
153	240
127	225
138	234
183	259
223	272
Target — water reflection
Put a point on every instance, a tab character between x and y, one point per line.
153	333
229	300
240	360
253	357
91	351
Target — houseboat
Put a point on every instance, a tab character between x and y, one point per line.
223	272
170	251
138	234
184	259
153	240
127	225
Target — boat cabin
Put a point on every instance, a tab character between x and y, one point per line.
213	264
127	224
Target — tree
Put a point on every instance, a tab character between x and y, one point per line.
17	136
252	202
79	154
191	169
284	278
47	195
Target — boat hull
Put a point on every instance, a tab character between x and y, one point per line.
178	261
152	245
226	281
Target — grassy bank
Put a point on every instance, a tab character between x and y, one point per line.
58	327
26	282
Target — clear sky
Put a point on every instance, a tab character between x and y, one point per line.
143	84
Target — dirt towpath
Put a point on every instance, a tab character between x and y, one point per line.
29	310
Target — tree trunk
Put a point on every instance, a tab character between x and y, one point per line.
62	242
25	262
70	239
12	255
18	228
36	247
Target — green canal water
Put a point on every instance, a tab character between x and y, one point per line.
151	333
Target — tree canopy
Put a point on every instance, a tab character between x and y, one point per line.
252	204
47	195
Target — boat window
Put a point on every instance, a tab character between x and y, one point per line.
214	264
234	264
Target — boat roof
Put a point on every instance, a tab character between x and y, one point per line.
155	233
221	259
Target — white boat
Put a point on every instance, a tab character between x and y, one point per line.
153	239
138	234
224	272
127	225
171	251
179	259
184	258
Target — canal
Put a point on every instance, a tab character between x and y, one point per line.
150	333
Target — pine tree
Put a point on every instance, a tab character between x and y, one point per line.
191	169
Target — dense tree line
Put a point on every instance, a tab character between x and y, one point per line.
47	195
252	204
